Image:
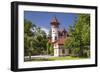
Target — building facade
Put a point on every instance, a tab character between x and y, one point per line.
57	38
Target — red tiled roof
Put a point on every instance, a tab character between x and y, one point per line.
62	36
60	41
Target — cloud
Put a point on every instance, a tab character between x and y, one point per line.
46	30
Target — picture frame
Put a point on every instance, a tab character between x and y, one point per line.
18	61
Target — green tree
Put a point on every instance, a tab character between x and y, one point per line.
35	39
27	35
79	41
50	49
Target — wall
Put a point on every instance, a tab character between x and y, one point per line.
5	36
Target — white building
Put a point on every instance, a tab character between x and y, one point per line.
57	38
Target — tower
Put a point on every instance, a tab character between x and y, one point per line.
54	29
54	35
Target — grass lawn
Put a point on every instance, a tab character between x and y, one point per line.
65	58
56	58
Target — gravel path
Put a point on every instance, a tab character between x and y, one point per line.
39	56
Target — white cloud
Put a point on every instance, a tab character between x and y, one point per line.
46	30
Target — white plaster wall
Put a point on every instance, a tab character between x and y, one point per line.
56	52
56	45
54	33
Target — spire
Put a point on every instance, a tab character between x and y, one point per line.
64	30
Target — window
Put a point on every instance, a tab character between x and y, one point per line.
55	37
63	51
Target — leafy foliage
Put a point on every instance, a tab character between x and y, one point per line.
50	49
79	40
34	39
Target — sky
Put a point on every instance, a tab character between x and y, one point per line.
43	19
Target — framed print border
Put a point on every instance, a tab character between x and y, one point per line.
14	35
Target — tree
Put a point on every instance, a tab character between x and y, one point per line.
50	49
79	41
27	35
35	39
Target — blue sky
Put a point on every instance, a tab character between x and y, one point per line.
43	19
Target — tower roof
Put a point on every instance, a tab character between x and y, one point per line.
64	30
54	21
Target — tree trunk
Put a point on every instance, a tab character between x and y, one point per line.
81	49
